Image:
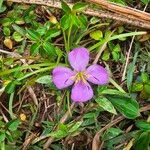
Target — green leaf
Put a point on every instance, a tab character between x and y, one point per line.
142	142
106	104
83	21
147	88
75	127
47	79
65	7
145	77
6	21
6	31
58	134
111	133
20	30
2	8
115	55
117	48
127	106
13	125
143	125
96	35
34	49
137	87
145	2
106	55
79	6
65	21
52	33
33	35
10	87
19	21
17	37
2	136
130	71
112	92
49	48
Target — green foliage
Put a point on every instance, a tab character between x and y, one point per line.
106	104
39	45
127	106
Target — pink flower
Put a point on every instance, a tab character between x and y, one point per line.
63	77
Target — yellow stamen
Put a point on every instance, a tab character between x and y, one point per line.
80	76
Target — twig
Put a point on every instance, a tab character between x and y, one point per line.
127	59
133	20
124	10
128	54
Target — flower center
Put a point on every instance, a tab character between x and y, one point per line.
80	76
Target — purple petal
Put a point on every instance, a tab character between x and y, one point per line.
81	92
61	77
79	58
97	74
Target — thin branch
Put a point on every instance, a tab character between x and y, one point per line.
120	9
129	19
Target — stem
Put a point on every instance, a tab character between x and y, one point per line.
65	40
35	72
11	105
69	33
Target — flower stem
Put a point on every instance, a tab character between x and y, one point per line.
69	33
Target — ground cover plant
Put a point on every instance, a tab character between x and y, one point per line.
70	80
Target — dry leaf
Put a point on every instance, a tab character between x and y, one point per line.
8	43
144	37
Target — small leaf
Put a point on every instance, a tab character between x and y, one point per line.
111	133
65	7
142	142
145	77
79	6
106	55
143	125
34	49
5	22
49	48
2	136
51	34
127	106
137	87
17	37
147	88
117	48
75	127
47	79
20	30
13	125
96	35
112	92
65	21
58	134
6	31
19	21
8	43
33	35
130	71
106	105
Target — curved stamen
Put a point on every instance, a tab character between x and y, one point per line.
80	76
